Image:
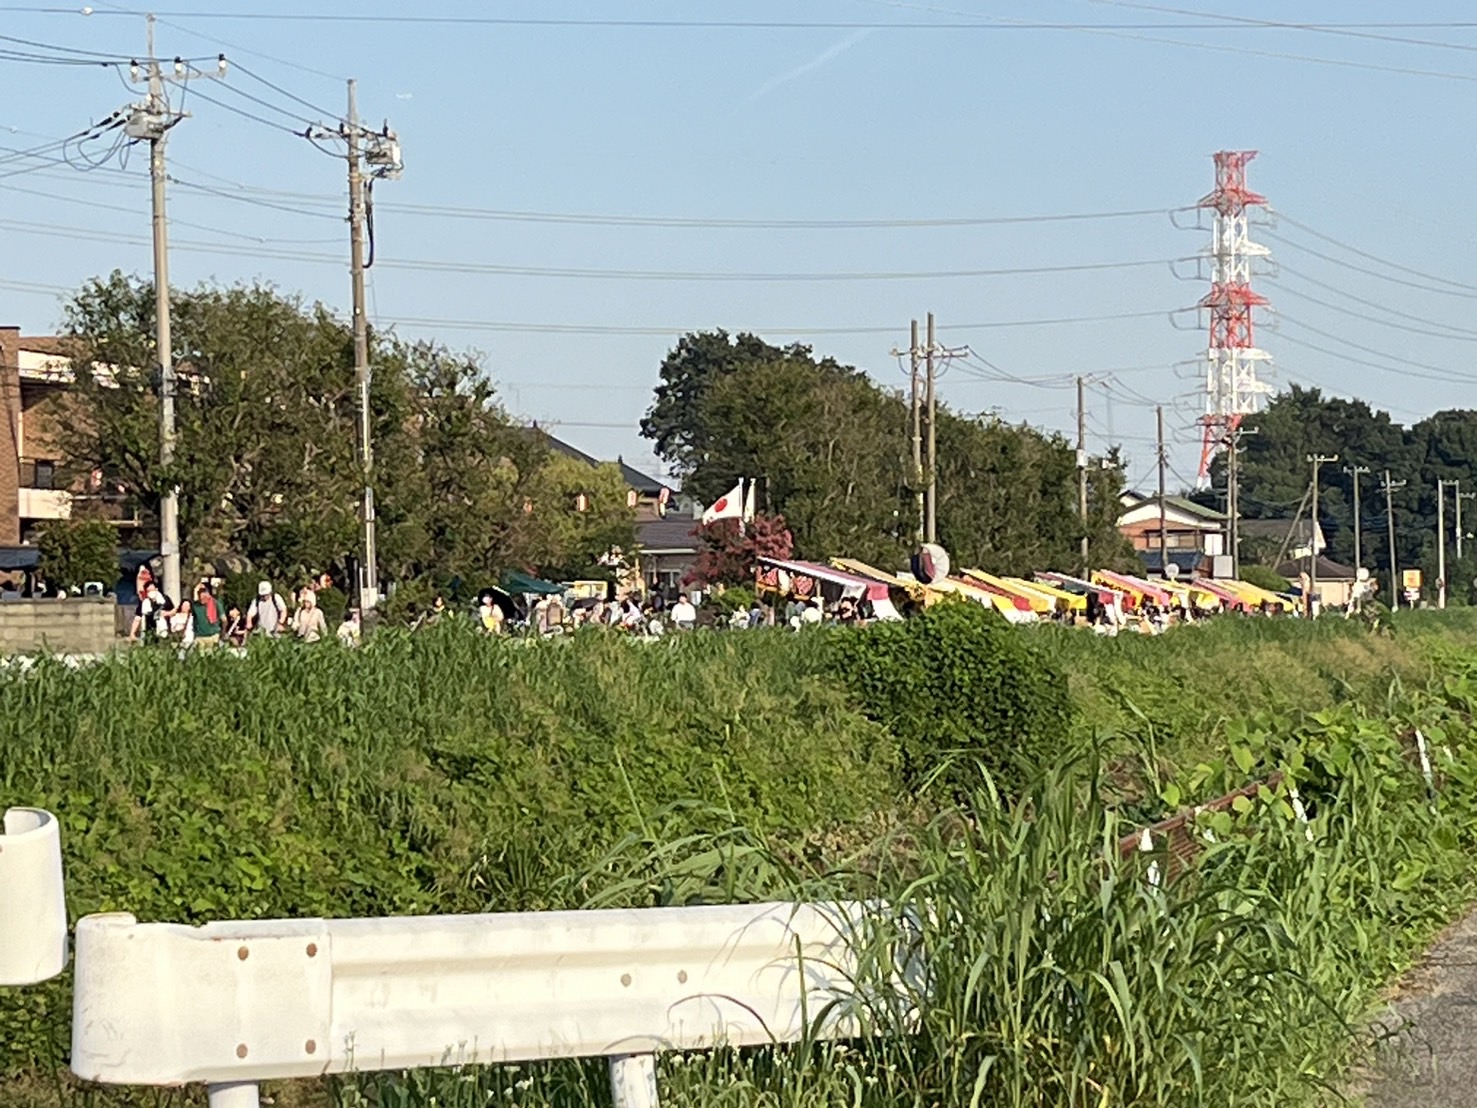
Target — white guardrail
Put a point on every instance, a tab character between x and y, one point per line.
235	1003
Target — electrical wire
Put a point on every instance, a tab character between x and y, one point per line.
248	115
1372	272
1375	257
1468	337
280	91
1404	371
1288	270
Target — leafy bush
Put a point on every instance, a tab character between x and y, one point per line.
1264	578
959	688
75	551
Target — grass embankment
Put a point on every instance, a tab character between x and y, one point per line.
450	773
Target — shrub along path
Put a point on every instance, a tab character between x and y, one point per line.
1432	1060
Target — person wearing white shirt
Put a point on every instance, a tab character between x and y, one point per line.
684	615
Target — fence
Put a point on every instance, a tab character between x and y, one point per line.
233	1004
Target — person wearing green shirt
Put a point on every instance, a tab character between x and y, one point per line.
205	614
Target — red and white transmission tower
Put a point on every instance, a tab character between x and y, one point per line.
1232	389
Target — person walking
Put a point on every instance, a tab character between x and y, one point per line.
205	618
235	627
684	615
152	614
308	622
268	612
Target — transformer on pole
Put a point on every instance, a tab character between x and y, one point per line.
1232	390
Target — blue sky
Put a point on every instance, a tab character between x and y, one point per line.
858	120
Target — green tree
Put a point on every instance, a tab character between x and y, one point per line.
266	463
831	450
73	552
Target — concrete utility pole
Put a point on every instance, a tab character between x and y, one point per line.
1082	472
1390	487
1441	542
1163	462
380	152
1460	496
932	401
368	554
151	121
1354	471
917	431
1317	460
1233	498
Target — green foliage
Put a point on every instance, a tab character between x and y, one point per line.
960	688
441	771
1264	578
74	552
832	448
267	416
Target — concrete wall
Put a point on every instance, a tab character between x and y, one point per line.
81	625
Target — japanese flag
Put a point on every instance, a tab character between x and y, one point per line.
728	506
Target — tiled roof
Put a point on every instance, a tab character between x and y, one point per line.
667	534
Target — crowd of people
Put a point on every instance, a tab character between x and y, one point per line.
204	622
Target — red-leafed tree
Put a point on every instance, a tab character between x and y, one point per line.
728	557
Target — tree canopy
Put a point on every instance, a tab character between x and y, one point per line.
830	449
265	458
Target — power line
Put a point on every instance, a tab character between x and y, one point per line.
1286	269
739	24
761	224
1402	370
1375	257
429	265
1470	336
1372	272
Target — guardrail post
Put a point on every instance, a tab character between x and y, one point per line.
237	1094
632	1081
33	901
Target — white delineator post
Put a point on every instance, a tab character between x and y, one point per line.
633	1081
33	903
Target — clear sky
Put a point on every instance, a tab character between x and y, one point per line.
514	116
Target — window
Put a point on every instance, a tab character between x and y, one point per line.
45	475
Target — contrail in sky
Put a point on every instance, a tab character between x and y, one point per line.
829	54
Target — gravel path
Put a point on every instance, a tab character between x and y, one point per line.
1430	1059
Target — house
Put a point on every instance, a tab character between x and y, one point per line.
1191	532
648	496
1284	538
1335	582
666	545
35	485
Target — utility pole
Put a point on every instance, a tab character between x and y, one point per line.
380	152
368	554
1317	460
1233	498
917	431
150	121
931	400
1082	472
1354	471
1390	487
1460	496
1163	462
1441	542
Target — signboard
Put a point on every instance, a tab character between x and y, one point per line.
1411	579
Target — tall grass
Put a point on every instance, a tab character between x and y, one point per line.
448	772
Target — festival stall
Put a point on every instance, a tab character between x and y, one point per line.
782	577
1033	599
1073	602
1255	594
1136	587
1017	609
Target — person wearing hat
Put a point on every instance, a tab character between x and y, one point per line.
268	612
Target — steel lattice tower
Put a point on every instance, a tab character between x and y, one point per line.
1232	389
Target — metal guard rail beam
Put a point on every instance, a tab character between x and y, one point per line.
234	1003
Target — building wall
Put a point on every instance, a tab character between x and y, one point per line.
10	418
81	625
